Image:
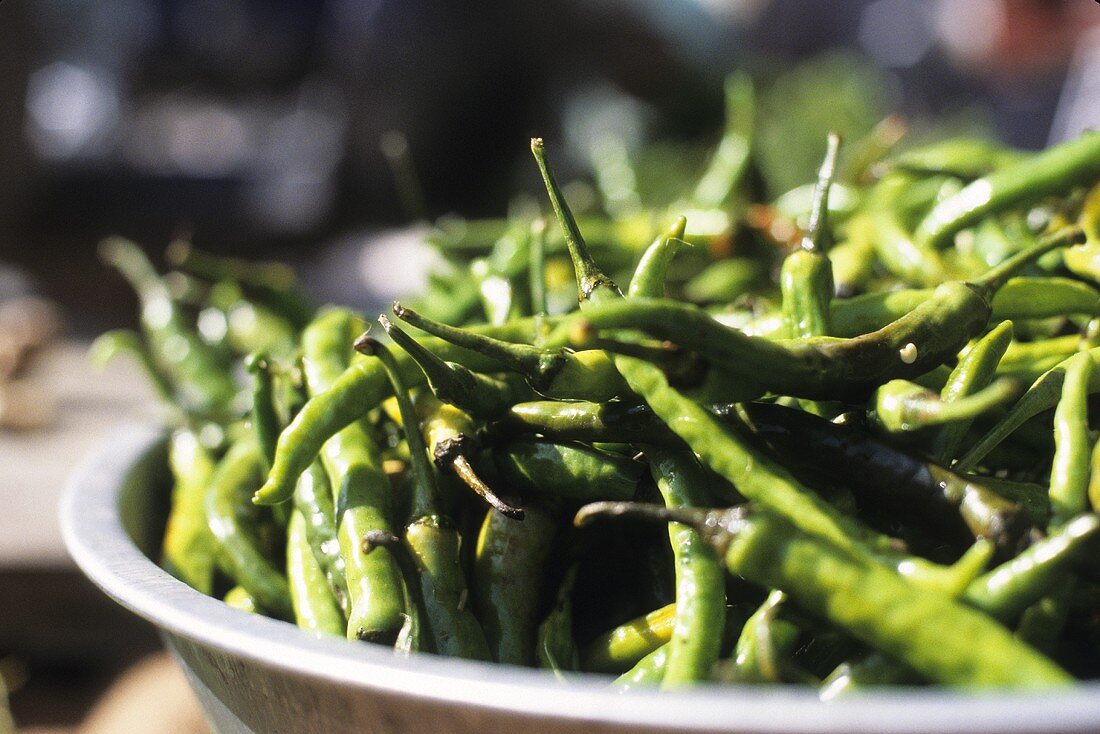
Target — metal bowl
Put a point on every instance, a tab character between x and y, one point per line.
255	674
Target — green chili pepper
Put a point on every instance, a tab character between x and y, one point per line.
509	563
239	598
621	648
313	500
556	649
1056	169
361	492
764	641
901	406
315	607
556	470
966	158
973	373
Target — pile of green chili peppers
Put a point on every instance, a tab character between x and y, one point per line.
841	439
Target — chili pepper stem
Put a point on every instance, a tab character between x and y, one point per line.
466	473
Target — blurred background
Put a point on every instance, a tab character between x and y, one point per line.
316	132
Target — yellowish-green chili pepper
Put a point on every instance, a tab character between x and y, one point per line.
1069	475
621	648
315	607
189	549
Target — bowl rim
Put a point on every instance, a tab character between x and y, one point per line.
94	535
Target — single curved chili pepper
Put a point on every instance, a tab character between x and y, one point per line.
189	549
1069	475
265	421
651	271
900	406
412	637
361	387
882	475
613	421
315	607
806	277
700	578
226	501
362	497
1056	169
557	373
975	370
621	648
554	470
430	536
935	635
556	650
198	374
764	643
509	564
902	256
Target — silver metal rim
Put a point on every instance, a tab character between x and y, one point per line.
94	535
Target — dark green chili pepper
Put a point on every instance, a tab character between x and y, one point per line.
315	606
189	549
1054	170
935	635
361	492
265	420
509	563
613	421
1023	297
1069	475
430	536
235	477
555	470
974	372
882	475
557	373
